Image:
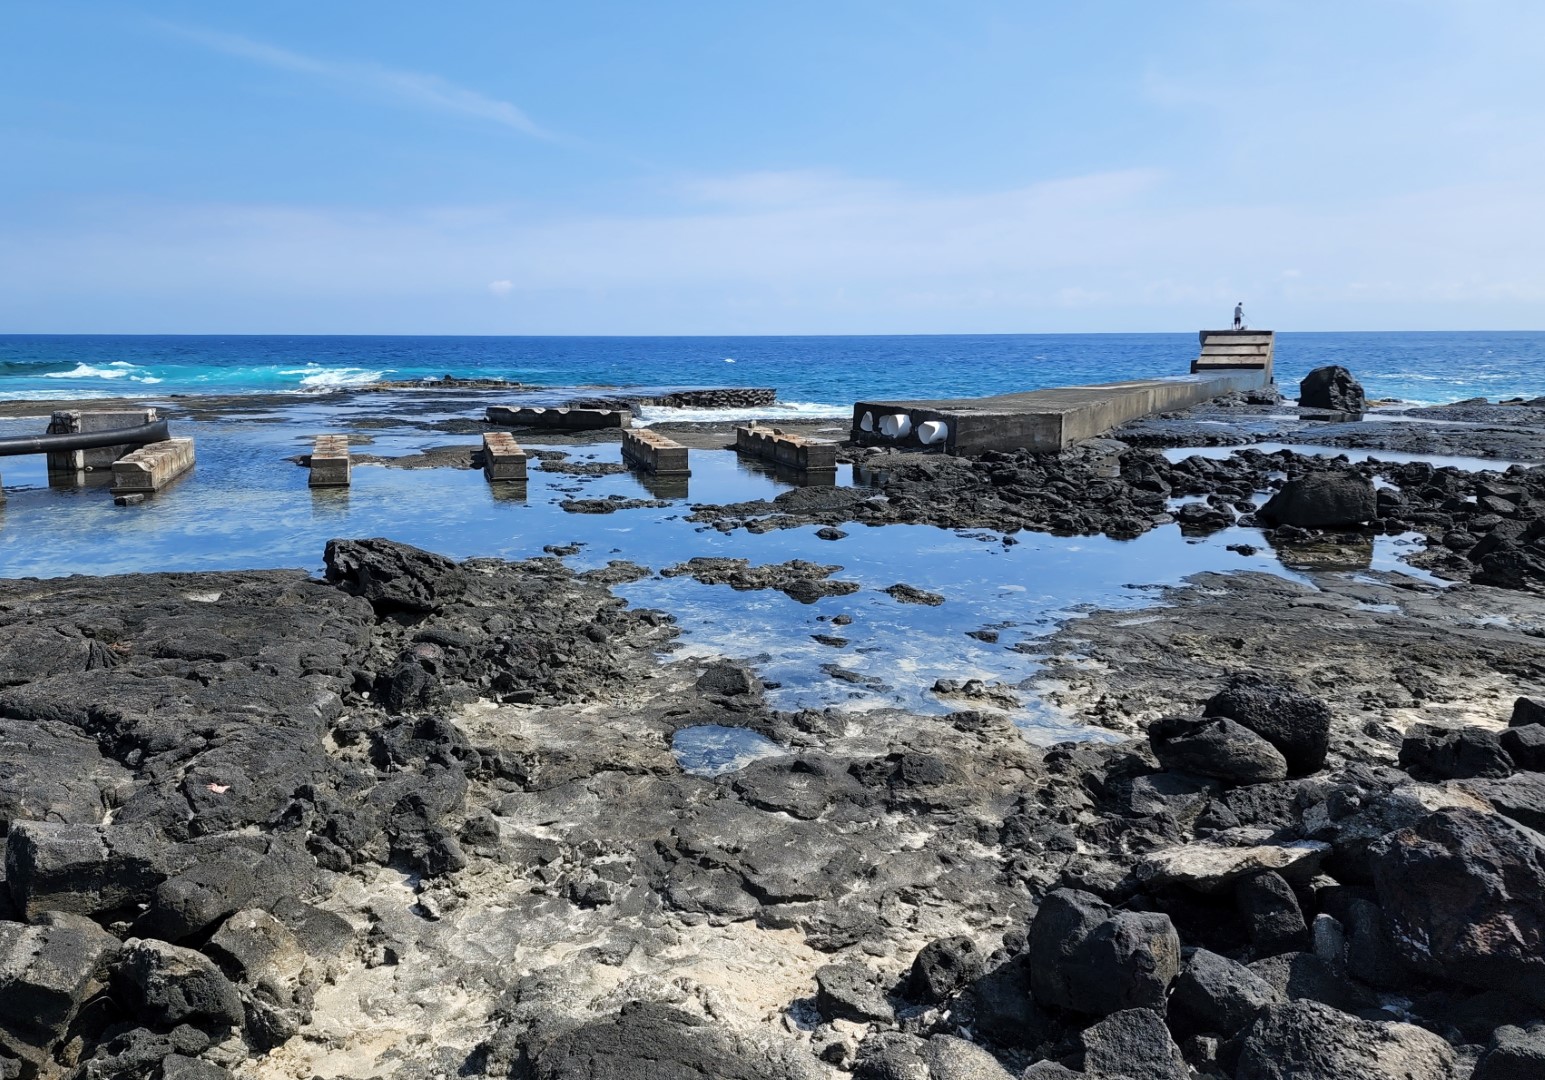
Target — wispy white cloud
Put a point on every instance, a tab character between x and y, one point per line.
413	88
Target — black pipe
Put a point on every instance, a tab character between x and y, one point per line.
49	444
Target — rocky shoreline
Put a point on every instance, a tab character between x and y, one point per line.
423	818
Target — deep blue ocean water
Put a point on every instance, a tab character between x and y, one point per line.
819	375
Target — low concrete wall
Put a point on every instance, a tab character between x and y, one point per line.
89	421
151	468
1044	421
654	452
503	459
330	464
792	451
566	419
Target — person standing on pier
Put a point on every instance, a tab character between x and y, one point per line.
1239	315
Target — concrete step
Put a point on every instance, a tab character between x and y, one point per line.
1235	350
1230	337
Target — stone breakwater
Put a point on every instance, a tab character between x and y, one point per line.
425	818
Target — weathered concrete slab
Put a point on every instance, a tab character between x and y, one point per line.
330	464
89	421
503	458
791	451
1044	421
564	418
151	468
1231	349
654	452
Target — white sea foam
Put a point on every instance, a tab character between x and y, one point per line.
783	410
118	369
315	377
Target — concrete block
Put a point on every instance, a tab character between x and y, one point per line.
330	466
655	453
151	468
87	421
503	459
564	419
789	451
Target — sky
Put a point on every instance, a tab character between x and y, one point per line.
800	167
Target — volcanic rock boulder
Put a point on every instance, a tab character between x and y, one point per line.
1434	753
1295	723
1133	1043
1322	500
1304	1040
168	985
85	869
1515	1053
48	970
392	576
1464	892
943	967
1218	995
1332	387
1090	959
1216	747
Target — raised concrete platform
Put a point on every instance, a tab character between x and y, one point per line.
151	468
503	459
655	453
90	421
564	418
1235	349
790	451
1046	421
330	465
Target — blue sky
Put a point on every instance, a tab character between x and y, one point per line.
799	167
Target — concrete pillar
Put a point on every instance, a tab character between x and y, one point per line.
87	421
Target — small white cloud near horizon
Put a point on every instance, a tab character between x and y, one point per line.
413	87
503	287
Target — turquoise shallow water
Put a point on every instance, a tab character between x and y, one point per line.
816	373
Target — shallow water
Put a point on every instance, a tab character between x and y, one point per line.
244	506
1393	457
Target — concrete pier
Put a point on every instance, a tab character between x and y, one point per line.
86	422
150	468
562	418
655	453
330	465
1046	421
503	459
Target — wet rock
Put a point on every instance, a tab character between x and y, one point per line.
1132	1043
942	967
1331	387
1273	917
1087	958
910	594
95	870
1304	1040
1434	753
731	680
169	985
1296	724
48	971
1216	994
805	582
1216	747
1514	1053
393	576
1486	925
1322	500
849	992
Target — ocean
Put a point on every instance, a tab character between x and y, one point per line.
814	376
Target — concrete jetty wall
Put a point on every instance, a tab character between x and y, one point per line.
90	421
1046	421
654	452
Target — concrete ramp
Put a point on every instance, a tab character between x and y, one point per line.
1047	421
